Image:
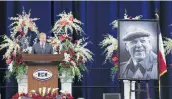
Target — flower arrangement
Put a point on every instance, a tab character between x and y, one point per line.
22	24
115	22
43	93
111	45
65	23
167	45
17	43
75	53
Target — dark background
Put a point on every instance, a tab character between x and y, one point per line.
96	16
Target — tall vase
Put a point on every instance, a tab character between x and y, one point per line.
66	81
23	84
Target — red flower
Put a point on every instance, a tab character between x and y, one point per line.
66	51
23	94
80	57
8	57
76	41
20	60
20	49
70	59
64	22
57	47
66	37
19	37
130	17
22	33
62	38
33	96
116	63
69	96
23	22
54	94
27	95
14	54
63	97
82	62
71	52
16	96
20	30
49	94
114	59
8	61
71	18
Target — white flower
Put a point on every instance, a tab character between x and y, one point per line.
54	89
56	43
81	50
21	90
167	45
138	17
10	67
48	90
66	57
64	91
28	49
40	90
33	91
11	44
111	45
43	91
55	53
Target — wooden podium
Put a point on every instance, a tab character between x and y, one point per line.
42	65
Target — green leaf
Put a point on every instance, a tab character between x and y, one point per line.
8	75
83	68
114	69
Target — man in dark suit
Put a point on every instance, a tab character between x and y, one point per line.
143	61
42	47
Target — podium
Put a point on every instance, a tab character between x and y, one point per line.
42	70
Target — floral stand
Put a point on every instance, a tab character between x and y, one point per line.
23	84
66	82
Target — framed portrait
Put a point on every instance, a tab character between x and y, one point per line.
138	49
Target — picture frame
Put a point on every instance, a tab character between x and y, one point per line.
138	42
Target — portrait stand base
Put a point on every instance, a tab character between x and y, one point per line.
127	89
139	89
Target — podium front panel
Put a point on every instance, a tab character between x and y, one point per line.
34	83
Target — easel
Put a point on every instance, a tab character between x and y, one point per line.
139	88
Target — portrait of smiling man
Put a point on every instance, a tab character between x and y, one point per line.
142	63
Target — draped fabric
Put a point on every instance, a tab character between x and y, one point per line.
96	16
